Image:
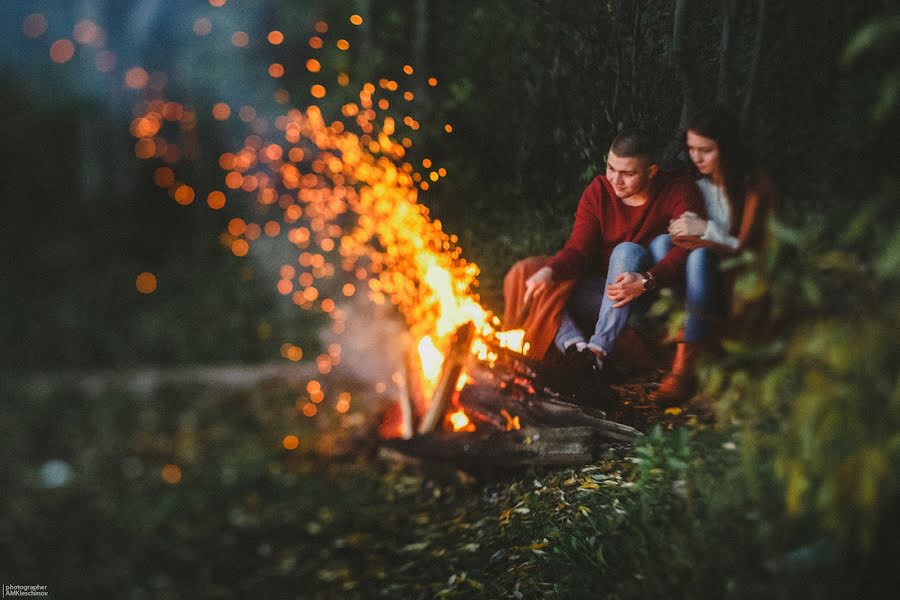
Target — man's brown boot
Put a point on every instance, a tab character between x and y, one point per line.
680	383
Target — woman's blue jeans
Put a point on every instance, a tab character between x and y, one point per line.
704	296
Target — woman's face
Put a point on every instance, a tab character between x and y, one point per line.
704	153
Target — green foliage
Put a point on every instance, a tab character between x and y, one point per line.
822	398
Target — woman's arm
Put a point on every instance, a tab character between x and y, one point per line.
691	242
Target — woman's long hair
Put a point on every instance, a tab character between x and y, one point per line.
721	124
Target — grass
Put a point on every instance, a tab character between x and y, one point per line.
673	518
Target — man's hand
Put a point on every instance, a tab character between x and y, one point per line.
537	283
688	223
625	288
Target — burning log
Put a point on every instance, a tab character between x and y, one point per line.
478	450
451	369
497	409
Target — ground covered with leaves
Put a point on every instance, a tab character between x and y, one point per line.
190	492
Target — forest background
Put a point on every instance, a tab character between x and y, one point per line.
534	91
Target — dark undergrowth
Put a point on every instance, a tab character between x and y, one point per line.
89	513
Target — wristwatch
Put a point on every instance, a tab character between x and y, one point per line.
649	281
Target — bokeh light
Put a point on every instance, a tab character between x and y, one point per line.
34	25
215	200
136	78
62	51
240	39
202	26
171	474
146	283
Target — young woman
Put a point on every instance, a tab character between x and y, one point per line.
738	201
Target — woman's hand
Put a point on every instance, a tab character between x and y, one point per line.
625	288
689	223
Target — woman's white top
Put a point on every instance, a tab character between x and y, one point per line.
719	211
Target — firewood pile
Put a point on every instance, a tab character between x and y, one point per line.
497	408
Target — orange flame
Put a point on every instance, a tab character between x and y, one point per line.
431	358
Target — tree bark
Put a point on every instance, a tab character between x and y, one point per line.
730	16
685	66
754	65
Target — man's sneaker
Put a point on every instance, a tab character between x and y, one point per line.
579	364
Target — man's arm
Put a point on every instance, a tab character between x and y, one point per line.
584	241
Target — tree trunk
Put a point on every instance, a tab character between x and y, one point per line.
730	17
757	53
685	65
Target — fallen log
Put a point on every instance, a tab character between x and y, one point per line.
477	450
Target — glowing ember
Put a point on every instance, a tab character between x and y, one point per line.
511	421
460	421
463	381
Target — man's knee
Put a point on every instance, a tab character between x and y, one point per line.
627	256
628	249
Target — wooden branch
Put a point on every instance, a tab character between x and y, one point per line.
413	379
754	64
485	404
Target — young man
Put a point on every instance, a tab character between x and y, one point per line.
616	253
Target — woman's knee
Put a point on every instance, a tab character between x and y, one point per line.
702	260
660	246
702	275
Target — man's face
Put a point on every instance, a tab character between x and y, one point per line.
629	175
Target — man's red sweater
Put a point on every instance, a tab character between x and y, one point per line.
602	221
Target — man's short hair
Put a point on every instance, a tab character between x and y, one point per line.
635	143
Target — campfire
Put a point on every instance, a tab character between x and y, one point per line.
483	403
341	191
